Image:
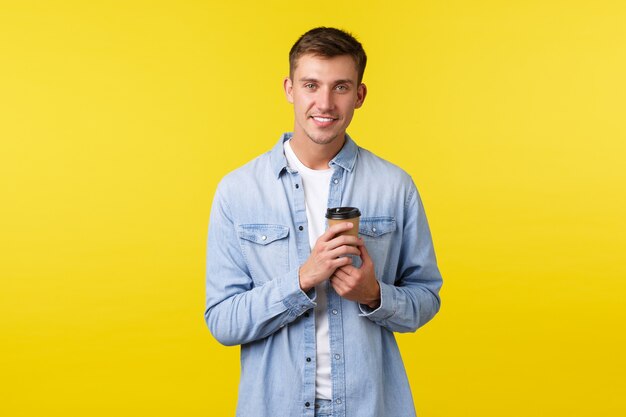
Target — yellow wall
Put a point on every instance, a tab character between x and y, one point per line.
118	118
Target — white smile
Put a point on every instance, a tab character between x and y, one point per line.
323	119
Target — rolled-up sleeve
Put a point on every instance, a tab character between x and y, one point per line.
238	312
413	299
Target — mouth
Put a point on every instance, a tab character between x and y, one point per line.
323	121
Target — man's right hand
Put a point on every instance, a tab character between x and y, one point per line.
328	254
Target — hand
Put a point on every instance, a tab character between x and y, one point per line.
358	284
328	254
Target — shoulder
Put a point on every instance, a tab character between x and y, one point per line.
378	169
247	175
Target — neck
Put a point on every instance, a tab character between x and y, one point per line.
314	155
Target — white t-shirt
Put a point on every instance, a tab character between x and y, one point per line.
316	184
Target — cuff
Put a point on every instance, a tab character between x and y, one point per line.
387	307
296	300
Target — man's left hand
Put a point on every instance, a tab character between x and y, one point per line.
358	284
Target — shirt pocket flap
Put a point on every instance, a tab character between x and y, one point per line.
376	226
262	234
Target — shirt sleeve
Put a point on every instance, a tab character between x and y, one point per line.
413	299
237	312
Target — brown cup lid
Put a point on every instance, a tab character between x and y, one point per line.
342	213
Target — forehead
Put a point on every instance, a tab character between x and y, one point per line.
341	67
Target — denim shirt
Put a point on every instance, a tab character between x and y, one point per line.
258	239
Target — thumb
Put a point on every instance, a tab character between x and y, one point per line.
365	256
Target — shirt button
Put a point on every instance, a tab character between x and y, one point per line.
306	404
297	185
300	228
335	312
308	359
337	356
336	181
303	307
373	229
263	237
338	400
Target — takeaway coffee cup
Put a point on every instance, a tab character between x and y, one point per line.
344	214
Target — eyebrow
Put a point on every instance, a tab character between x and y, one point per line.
346	81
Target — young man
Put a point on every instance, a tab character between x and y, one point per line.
314	310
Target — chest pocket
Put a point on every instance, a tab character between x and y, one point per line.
266	250
377	233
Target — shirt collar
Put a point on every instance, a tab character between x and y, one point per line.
346	158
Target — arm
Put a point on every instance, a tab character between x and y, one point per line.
414	297
236	311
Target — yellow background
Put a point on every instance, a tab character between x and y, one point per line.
118	118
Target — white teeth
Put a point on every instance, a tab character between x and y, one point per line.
323	119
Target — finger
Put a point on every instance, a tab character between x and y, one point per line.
348	269
344	240
340	262
341	273
344	250
334	230
339	286
365	255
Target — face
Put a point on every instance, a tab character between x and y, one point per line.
324	93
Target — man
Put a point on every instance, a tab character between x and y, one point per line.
314	310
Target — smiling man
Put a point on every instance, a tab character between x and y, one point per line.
313	307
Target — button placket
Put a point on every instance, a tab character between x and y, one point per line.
335	331
296	193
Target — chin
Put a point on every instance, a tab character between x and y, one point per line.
322	139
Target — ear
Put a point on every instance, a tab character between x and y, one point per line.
288	87
361	92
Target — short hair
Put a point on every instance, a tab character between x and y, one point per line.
328	42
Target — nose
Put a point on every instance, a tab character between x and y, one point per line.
325	100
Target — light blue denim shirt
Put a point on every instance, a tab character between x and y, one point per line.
258	239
